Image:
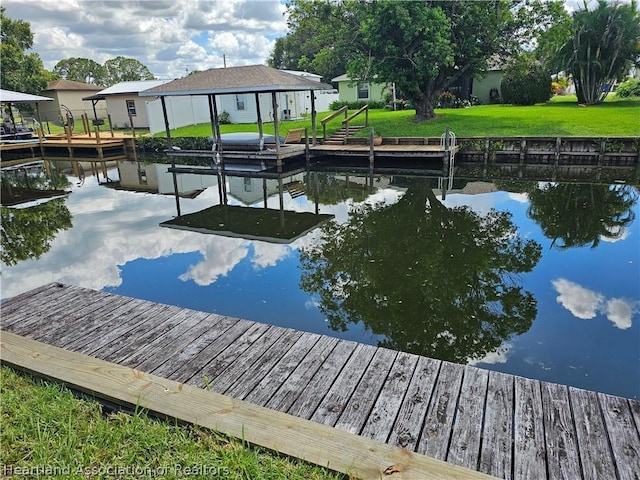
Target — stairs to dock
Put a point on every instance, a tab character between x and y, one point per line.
340	137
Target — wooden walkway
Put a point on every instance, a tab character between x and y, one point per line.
502	425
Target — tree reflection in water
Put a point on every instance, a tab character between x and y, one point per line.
28	232
435	281
575	215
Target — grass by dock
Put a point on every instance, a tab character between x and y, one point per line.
562	116
48	433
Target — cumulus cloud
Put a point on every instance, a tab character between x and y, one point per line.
501	355
154	32
587	304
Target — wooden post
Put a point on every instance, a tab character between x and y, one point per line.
40	140
133	129
371	149
219	152
446	159
166	126
313	117
110	124
485	157
274	104
98	146
523	153
259	119
307	153
212	121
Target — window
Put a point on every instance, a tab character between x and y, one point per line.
363	91
131	107
239	102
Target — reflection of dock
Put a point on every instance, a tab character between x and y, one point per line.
264	224
506	426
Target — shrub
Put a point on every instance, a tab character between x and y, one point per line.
374	104
526	82
630	88
224	118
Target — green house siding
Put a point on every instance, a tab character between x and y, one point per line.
348	91
482	86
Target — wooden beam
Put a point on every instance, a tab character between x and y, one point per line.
304	439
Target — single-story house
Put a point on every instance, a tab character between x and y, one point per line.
350	90
241	107
124	105
70	94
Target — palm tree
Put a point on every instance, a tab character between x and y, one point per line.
604	44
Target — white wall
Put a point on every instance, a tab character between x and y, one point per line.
192	110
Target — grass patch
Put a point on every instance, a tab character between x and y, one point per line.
44	426
562	116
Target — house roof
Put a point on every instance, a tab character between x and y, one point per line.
344	78
126	88
247	79
9	96
63	84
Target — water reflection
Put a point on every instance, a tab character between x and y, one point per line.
575	215
435	281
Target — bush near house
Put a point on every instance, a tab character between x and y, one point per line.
526	82
338	104
630	88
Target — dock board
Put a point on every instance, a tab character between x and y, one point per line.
501	425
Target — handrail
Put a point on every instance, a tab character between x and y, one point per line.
326	120
354	115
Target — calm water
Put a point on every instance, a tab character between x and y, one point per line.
535	279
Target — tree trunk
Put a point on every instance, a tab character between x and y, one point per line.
424	109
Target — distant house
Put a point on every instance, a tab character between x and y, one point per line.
350	90
124	105
70	94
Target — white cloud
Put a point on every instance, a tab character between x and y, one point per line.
154	32
621	311
501	355
581	302
587	304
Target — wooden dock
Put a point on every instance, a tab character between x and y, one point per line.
505	426
69	147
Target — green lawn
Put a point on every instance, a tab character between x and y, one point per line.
562	116
48	433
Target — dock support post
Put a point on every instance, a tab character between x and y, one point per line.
371	157
40	139
523	153
110	124
307	153
98	145
446	161
313	117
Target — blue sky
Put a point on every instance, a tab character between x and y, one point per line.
168	36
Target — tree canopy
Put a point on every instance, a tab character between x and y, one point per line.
21	71
80	70
435	281
603	45
423	47
115	70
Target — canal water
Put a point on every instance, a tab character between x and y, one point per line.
539	279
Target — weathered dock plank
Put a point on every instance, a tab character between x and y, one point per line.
190	371
502	425
563	458
623	435
496	457
380	422
436	433
242	373
530	453
334	402
408	425
309	399
356	411
467	429
597	460
296	383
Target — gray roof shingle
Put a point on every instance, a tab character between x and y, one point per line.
248	79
